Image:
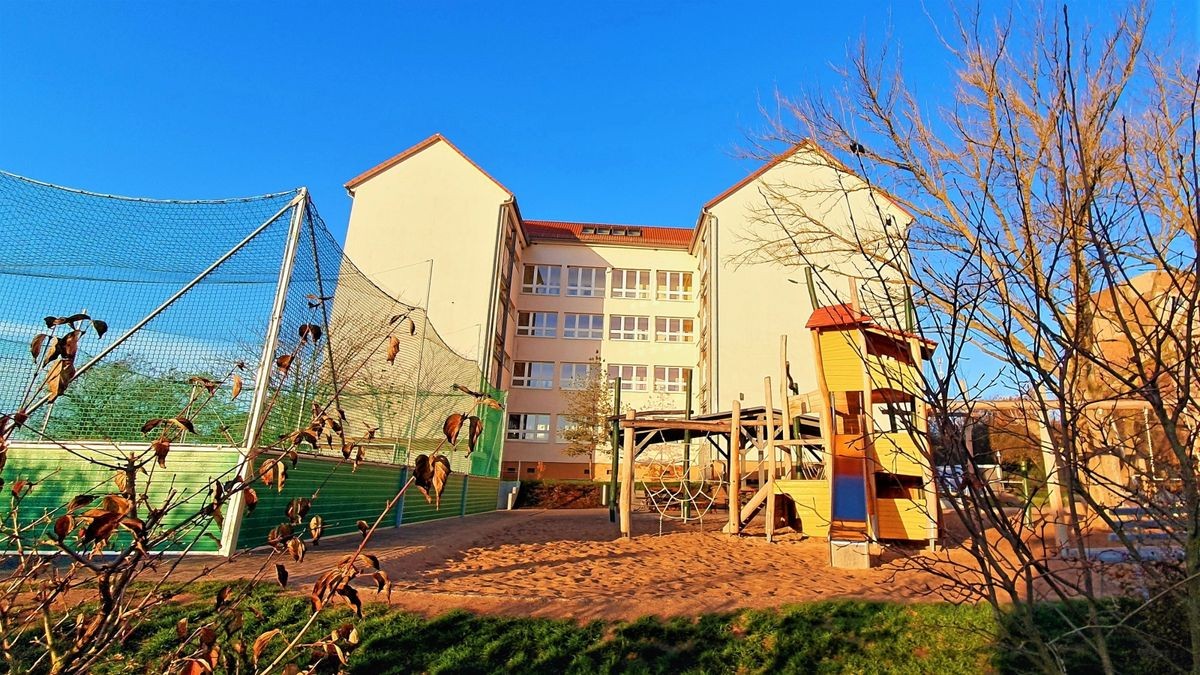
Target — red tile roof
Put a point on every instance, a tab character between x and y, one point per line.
845	316
837	316
384	166
601	233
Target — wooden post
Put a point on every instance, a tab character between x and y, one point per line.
735	469
771	464
627	478
785	398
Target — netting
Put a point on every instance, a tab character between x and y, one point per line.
188	290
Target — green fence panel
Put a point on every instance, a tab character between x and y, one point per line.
59	475
482	494
346	496
417	510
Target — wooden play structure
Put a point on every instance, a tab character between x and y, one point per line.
848	462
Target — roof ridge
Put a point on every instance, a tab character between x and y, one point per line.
413	150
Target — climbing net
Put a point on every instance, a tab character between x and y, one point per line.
680	480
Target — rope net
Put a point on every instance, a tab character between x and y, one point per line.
188	290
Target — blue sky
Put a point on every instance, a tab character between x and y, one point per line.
627	112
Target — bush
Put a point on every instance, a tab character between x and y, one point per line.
559	494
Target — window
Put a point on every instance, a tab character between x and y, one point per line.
542	279
574	375
628	327
631	284
583	326
670	379
563	425
585	282
671	329
529	427
633	378
674	285
892	412
537	324
533	374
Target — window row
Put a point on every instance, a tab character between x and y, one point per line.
575	376
620	327
590	282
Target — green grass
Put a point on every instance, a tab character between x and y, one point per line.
819	637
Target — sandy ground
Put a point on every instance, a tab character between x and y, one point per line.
572	564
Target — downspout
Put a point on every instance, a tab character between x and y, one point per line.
490	326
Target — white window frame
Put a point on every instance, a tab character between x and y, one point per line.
663	382
586	282
592	332
567	381
674	329
525	375
531	427
550	283
529	326
638	290
629	327
672	286
633	377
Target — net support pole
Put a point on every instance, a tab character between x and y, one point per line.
616	445
412	420
771	462
627	474
262	378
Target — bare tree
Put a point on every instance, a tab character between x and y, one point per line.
1053	252
589	406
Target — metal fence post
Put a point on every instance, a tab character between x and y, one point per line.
404	499
262	378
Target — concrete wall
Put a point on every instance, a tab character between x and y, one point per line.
561	350
755	301
433	205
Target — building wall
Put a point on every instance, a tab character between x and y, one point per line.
433	205
752	301
559	350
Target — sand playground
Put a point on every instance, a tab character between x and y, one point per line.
573	564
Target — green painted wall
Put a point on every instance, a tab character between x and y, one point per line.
482	494
340	495
60	476
416	510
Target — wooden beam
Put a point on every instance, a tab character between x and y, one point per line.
772	468
627	480
786	422
735	471
721	427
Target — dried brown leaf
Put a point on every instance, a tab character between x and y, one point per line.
451	427
284	363
223	597
63	527
101	527
236	388
58	378
251	498
181	628
260	644
393	348
363	527
80	500
101	327
475	433
209	385
35	347
161	446
296	548
310	331
315	526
